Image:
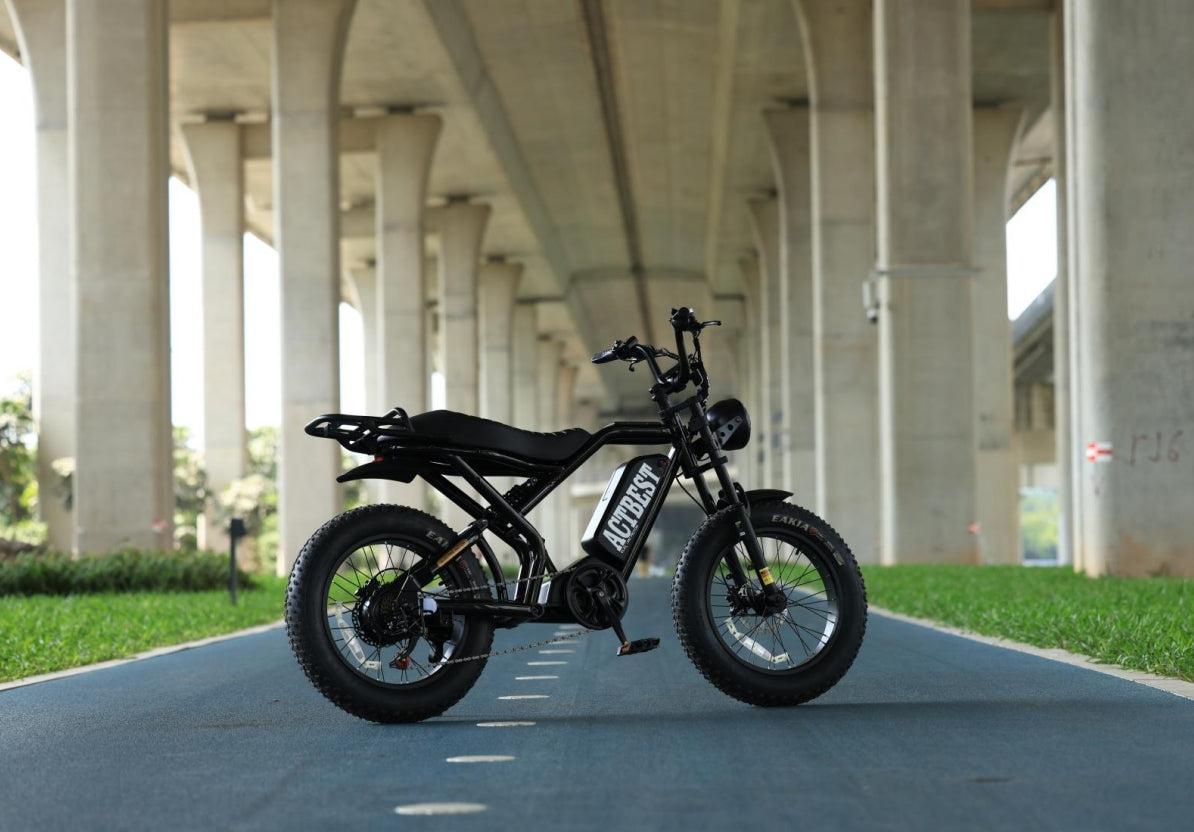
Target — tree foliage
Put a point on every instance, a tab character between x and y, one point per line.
1039	515
18	459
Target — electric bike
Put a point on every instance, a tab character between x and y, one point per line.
392	614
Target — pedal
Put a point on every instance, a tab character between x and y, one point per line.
641	645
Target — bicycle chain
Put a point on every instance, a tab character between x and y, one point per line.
492	653
556	640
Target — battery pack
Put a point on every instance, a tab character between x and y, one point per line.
629	500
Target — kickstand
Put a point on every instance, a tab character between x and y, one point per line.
628	647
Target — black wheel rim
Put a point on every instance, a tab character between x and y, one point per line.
399	656
785	642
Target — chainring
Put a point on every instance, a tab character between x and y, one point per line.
581	594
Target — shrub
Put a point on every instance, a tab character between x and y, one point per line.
127	570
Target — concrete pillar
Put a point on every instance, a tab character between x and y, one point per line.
1131	248
923	137
754	357
41	32
838	55
566	546
462	227
723	348
774	428
549	357
363	280
405	144
119	166
997	499
1062	393
216	170
499	285
789	140
525	371
308	46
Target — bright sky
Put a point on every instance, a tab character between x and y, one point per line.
1032	263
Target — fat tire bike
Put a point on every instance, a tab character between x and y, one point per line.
392	614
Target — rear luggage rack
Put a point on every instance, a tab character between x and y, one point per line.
364	434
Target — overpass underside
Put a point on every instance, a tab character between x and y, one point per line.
502	188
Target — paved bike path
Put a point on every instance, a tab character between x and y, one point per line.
928	730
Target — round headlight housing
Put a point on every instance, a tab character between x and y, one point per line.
730	423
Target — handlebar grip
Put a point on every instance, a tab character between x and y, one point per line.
605	356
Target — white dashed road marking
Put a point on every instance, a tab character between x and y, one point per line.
527	696
481	758
533	678
440	808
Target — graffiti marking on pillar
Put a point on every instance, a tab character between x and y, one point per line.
1156	447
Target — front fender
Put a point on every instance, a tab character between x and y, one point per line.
384	468
766	495
759	495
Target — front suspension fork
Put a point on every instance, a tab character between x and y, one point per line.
740	516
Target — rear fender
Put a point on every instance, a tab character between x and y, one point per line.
383	468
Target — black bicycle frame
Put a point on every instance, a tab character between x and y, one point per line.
505	513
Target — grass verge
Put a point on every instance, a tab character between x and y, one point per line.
44	633
1138	623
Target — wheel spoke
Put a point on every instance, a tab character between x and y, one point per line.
810	615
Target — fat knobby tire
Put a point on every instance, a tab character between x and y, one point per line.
696	628
306	615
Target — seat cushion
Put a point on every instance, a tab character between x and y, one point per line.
462	430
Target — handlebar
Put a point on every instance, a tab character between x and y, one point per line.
682	320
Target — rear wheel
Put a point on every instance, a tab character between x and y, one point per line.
367	636
747	650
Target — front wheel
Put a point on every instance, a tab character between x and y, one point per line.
745	649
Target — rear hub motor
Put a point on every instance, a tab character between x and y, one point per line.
387	613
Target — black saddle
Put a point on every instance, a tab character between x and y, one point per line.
462	430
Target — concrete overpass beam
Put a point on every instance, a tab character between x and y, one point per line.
405	146
216	171
788	131
924	142
996	492
773	438
41	32
119	164
499	284
1130	250
308	47
838	54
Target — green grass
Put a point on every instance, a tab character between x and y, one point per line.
1139	623
44	633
